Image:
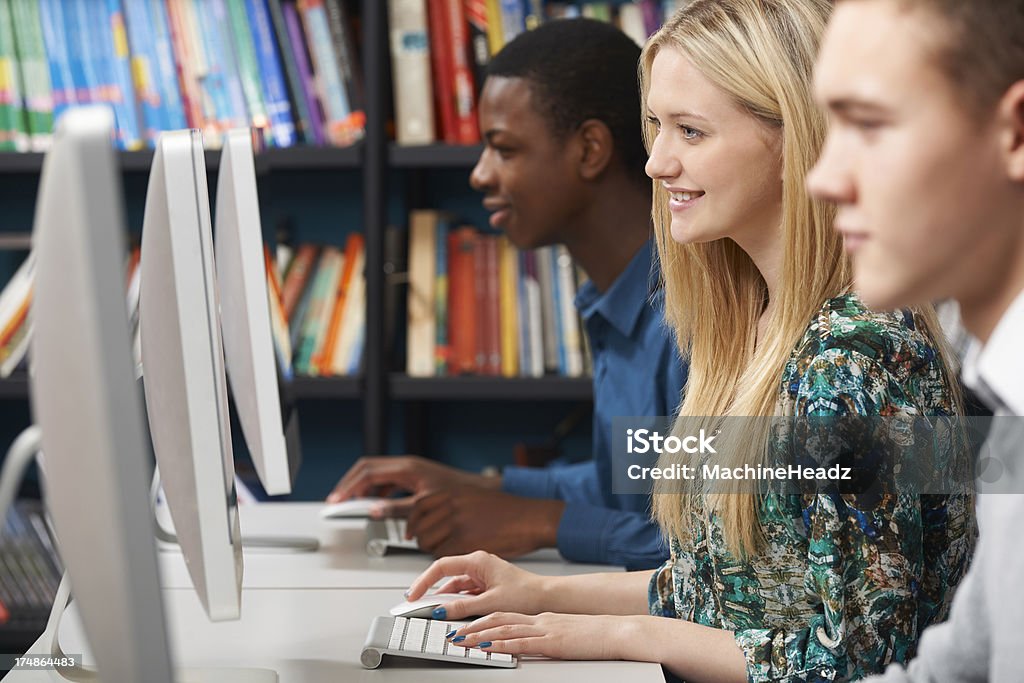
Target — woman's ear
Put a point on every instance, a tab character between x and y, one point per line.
1011	121
597	146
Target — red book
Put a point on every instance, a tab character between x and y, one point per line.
480	292
462	325
467	132
297	277
441	72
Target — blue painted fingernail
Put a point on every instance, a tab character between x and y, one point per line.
440	613
458	639
483	645
451	633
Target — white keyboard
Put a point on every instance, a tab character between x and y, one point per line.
385	535
423	639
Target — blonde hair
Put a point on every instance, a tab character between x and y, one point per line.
761	53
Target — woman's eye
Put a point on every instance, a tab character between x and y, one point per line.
690	133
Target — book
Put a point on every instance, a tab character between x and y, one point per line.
278	321
172	99
122	95
479	45
352	304
535	325
187	65
296	279
51	15
463	90
420	334
14	135
412	89
568	316
442	347
513	19
347	64
317	133
508	276
219	72
441	73
35	73
495	32
145	75
352	263
297	99
318	315
545	279
462	312
275	92
492	308
248	66
341	127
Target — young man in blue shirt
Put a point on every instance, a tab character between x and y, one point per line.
563	164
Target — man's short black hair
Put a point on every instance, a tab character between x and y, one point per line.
580	69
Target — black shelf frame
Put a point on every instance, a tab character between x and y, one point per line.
481	388
379	385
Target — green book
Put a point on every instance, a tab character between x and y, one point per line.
35	72
248	66
13	126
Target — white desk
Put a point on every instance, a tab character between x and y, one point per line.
341	562
315	636
306	615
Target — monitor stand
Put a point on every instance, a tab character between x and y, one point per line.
271	544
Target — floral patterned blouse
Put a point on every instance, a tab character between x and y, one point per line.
844	585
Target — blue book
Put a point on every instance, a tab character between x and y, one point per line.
166	72
222	83
77	28
144	58
513	19
122	95
51	16
556	289
275	92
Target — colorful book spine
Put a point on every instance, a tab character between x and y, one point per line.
412	89
321	305
325	359
479	293
353	315
508	275
442	348
172	101
347	64
421	333
122	94
275	92
329	85
302	120
513	19
35	72
462	313
76	28
247	64
536	325
51	15
569	333
495	32
545	278
525	362
466	130
297	278
442	77
187	64
308	79
476	16
278	323
220	77
142	47
492	307
13	126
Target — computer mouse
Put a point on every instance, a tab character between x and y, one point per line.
425	606
349	509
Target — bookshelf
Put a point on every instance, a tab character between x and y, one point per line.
380	392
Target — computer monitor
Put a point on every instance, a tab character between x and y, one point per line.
86	402
253	372
184	376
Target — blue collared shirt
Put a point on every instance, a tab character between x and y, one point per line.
637	372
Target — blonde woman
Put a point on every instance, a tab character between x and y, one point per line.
820	586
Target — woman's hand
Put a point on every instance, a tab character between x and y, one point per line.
491	584
560	636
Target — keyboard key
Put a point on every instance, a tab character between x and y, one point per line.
500	657
477	654
415	634
456	650
397	631
435	638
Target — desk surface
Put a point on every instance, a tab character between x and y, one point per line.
341	562
316	636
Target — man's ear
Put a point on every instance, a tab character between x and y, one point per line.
1011	120
597	146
